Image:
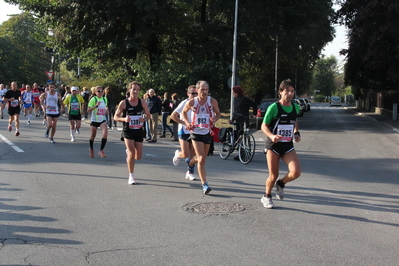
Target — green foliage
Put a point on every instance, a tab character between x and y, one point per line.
324	73
168	45
372	54
319	98
22	55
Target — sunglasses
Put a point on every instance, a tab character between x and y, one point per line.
99	91
194	93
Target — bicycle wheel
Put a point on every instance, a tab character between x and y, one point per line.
246	148
225	147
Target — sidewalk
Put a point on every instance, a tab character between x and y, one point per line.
385	120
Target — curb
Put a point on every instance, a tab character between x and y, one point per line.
396	130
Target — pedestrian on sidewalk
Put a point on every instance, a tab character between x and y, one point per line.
175	103
166	110
111	107
155	107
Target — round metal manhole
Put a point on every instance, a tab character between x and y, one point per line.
215	207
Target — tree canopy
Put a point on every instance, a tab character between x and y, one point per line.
170	44
23	57
324	74
373	47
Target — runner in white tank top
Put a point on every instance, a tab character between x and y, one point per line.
50	101
206	113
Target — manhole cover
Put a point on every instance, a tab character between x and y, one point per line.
215	207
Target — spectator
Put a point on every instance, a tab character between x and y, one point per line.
155	107
175	102
166	110
111	107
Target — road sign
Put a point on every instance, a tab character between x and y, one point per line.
49	81
237	83
50	74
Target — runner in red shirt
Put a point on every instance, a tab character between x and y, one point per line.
36	100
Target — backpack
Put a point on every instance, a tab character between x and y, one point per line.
223	133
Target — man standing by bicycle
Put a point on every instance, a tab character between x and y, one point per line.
205	113
280	125
241	111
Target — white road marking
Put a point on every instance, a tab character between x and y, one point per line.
15	147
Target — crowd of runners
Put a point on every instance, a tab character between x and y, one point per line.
196	116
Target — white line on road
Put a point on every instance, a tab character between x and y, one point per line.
15	147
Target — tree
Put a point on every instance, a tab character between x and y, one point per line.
25	59
324	73
170	44
372	54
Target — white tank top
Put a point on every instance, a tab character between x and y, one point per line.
52	104
200	117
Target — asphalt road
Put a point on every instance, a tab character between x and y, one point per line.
58	206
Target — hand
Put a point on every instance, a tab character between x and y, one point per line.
276	138
297	138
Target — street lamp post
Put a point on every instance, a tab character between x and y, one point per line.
233	67
276	69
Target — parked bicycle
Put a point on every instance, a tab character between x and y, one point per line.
243	141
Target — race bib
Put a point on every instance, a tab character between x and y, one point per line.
52	108
74	106
14	103
134	122
286	131
101	111
202	121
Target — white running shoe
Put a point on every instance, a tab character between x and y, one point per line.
176	158
190	176
77	131
279	192
131	180
267	202
72	139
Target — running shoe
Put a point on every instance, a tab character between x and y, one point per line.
1	116
279	191
205	188
189	167
91	154
44	123
72	139
131	181
77	131
176	158
190	176
102	154
46	134
52	141
267	202
17	133
9	128
28	122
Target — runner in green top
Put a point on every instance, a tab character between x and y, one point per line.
74	101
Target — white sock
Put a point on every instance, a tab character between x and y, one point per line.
29	116
131	174
72	132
